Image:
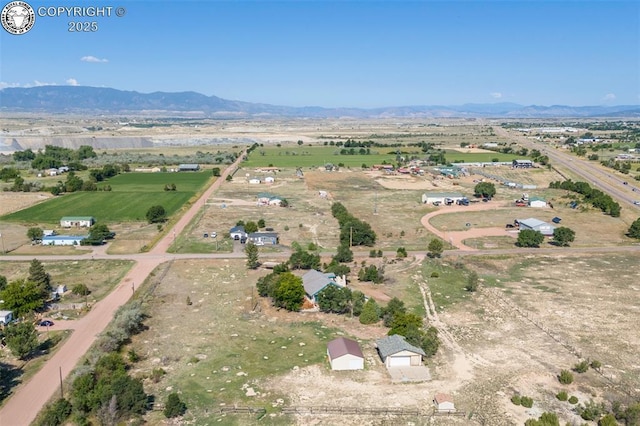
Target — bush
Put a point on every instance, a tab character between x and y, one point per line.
527	402
156	374
595	364
80	290
174	407
515	399
56	413
562	396
434	274
573	399
565	377
581	367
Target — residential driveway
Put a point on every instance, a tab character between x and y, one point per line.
409	374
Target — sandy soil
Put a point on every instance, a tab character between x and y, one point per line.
14	201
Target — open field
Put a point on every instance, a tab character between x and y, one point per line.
131	196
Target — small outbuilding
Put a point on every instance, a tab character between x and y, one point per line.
77	221
345	354
396	352
444	403
522	164
269	179
6	317
237	233
255	181
537	202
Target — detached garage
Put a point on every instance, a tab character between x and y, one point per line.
396	352
345	354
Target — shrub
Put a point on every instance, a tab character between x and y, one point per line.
56	413
435	274
156	374
174	407
573	399
516	400
565	377
595	364
581	367
527	402
80	290
562	396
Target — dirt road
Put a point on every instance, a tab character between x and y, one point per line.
25	404
456	238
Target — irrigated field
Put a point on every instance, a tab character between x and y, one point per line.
131	196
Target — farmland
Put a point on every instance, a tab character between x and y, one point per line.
131	196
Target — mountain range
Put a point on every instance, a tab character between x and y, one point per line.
98	100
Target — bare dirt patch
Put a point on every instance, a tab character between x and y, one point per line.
14	201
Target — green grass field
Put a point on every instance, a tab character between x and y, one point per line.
131	196
316	156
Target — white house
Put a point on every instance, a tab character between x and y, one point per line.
255	181
396	352
6	317
269	179
77	221
345	354
536	225
444	403
63	240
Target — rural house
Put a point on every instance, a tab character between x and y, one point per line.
345	354
237	233
267	199
188	167
77	221
315	281
441	197
536	225
396	352
63	240
444	403
537	202
269	179
263	238
522	164
255	181
6	317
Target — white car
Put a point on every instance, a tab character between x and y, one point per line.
637	203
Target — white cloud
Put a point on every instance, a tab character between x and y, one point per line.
4	84
93	59
496	95
72	82
609	97
37	83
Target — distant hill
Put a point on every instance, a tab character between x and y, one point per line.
97	100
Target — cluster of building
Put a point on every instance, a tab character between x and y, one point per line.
258	238
51	238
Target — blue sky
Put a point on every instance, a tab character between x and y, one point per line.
343	53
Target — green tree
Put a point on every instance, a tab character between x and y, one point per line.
529	238
80	290
55	414
401	253
289	292
608	420
98	233
334	299
261	223
251	227
394	307
344	254
370	312
357	302
251	250
174	407
23	297
634	229
562	236
435	247
35	234
472	281
545	419
3	282
301	259
21	338
156	214
38	275
565	377
371	273
484	189
216	171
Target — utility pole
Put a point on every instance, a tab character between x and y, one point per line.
61	392
350	236
375	204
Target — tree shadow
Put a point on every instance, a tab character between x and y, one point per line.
9	378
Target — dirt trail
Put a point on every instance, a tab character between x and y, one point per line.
24	405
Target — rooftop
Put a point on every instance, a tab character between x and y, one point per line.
314	281
395	343
343	346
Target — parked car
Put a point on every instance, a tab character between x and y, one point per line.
46	323
637	203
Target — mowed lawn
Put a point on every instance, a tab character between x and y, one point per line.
131	196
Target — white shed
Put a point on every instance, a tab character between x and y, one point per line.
537	202
269	179
6	317
444	403
345	354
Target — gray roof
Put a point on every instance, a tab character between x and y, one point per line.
393	344
263	235
314	281
189	166
238	228
343	346
444	194
532	222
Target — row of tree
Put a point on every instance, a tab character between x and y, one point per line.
597	198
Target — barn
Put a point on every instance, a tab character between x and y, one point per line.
345	354
188	167
396	352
